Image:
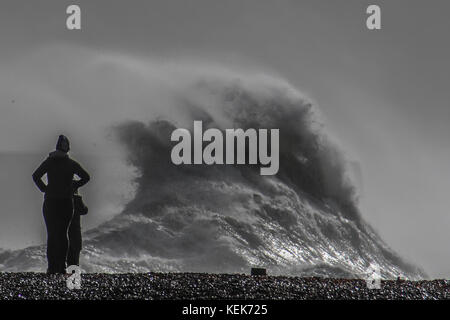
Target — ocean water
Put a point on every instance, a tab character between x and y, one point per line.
214	218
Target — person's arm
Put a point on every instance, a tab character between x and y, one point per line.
38	174
84	176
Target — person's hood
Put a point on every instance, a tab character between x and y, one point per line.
63	143
58	154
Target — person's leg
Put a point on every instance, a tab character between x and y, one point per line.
75	241
52	239
65	213
57	214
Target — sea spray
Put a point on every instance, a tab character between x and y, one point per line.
208	218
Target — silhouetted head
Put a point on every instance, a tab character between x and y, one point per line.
63	144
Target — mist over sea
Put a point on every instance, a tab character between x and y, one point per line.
147	214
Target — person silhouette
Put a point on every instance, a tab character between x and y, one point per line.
75	240
58	203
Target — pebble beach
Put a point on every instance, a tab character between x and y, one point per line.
202	286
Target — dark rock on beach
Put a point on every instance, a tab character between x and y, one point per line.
174	286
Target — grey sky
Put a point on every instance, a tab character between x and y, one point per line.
383	94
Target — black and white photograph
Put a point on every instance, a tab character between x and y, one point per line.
222	156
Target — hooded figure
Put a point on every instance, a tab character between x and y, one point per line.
63	144
58	205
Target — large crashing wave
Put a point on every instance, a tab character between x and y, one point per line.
228	218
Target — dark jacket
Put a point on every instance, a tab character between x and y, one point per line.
60	170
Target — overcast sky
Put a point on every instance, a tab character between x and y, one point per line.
383	94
